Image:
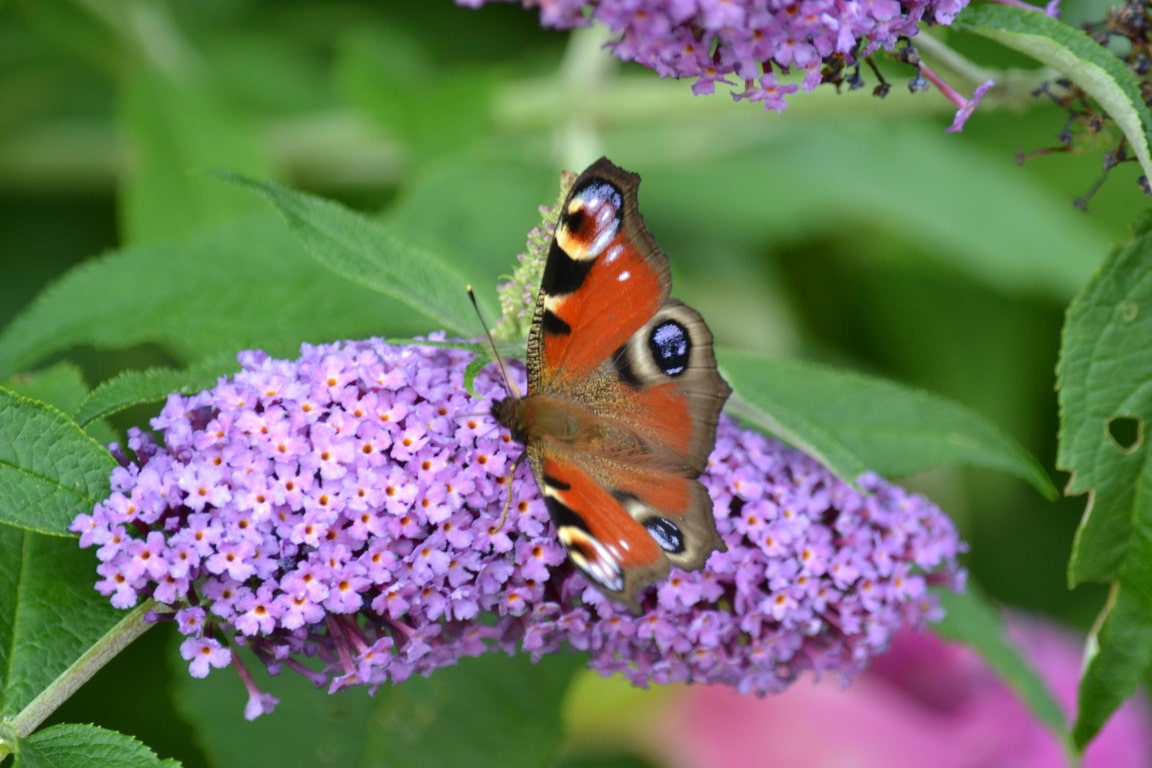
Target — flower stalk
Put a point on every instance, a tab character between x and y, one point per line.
126	631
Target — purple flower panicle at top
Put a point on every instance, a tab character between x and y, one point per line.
747	44
345	504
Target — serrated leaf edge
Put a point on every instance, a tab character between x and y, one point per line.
67	421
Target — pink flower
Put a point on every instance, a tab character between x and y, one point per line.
925	703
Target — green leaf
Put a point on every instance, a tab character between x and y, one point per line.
363	252
601	760
397	83
50	615
492	199
475	365
241	285
1075	55
153	385
854	423
1103	374
308	727
1118	656
102	39
84	746
479	702
50	471
460	715
174	128
61	385
1026	243
972	620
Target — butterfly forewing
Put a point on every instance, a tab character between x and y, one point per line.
623	396
600	282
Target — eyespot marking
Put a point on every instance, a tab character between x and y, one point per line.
666	533
592	558
670	346
591	220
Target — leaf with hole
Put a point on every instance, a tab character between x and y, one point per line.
1105	402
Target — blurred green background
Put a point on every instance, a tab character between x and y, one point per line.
848	229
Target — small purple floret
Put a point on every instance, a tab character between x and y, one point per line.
345	505
969	106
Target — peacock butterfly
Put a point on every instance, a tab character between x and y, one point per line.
623	396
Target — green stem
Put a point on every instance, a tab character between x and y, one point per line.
148	30
59	690
585	71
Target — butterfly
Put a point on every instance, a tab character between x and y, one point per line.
623	396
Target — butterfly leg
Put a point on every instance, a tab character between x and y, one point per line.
508	499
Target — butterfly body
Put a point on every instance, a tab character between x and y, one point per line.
623	396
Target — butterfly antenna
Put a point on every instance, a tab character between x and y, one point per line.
515	392
492	343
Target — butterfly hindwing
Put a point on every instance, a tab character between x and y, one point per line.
624	530
611	547
669	368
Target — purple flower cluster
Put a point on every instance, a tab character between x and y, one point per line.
347	505
752	41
